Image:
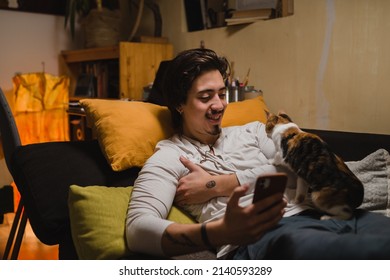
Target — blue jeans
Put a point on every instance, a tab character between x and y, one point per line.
306	237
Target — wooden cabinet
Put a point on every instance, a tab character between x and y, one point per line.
128	67
139	63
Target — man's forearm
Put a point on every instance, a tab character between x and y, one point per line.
223	184
179	239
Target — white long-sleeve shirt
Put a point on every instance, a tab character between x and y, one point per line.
243	150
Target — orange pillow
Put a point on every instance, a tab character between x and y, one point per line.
242	112
127	131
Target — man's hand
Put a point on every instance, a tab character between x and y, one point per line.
199	186
194	188
244	225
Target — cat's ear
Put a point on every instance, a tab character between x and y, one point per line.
285	116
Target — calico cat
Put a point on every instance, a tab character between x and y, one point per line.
334	189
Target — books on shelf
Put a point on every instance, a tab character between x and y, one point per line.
205	14
248	16
98	79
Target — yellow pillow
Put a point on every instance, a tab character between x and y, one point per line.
129	131
97	219
240	113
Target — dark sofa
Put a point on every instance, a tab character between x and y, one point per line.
44	172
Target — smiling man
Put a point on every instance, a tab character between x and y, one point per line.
200	167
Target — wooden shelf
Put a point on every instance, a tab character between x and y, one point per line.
90	54
122	71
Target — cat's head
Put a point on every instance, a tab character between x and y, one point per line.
273	120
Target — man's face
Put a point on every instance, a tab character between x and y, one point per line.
202	114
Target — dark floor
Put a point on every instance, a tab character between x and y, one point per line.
31	248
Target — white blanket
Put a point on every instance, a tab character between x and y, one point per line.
374	172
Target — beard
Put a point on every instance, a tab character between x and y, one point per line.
216	130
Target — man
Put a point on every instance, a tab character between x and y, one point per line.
210	171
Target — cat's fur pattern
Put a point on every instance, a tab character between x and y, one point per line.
334	188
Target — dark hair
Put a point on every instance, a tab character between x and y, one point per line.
181	73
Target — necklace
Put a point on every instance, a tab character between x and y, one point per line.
211	147
206	155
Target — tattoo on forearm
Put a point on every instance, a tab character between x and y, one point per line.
186	241
211	184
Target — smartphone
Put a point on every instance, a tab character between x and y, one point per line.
269	184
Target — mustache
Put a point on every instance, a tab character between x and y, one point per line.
212	111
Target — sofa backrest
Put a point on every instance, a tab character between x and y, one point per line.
353	146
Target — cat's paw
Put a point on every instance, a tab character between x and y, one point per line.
326	217
271	161
277	160
340	212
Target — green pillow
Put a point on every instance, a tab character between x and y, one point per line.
97	220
